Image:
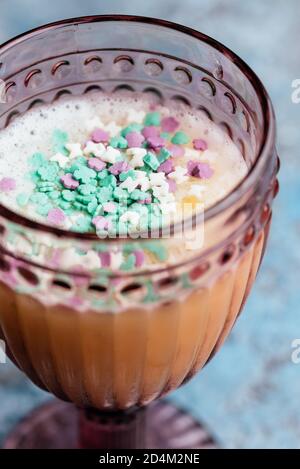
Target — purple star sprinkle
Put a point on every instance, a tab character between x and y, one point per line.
139	258
200	144
156	142
96	164
166	167
150	131
135	139
100	136
172	185
56	216
176	151
169	124
199	170
7	184
119	167
105	259
69	182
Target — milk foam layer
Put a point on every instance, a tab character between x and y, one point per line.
33	133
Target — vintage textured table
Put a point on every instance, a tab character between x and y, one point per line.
248	395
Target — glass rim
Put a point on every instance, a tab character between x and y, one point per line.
268	138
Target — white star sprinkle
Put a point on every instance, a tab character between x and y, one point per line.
116	260
137	157
179	175
129	184
61	159
157	179
112	128
111	155
130	217
95	149
74	149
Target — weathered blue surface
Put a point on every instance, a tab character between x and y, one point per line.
249	393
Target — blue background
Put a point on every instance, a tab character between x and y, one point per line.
249	394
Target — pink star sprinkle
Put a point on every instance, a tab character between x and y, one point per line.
96	164
199	170
169	124
135	139
56	216
139	258
176	151
200	144
101	223
105	259
119	167
7	184
166	167
172	185
150	131
69	182
100	136
156	142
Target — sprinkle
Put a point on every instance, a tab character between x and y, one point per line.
150	131
74	150
156	142
151	160
7	184
96	164
86	189
105	194
82	224
105	259
152	118
172	185
164	154
137	157
113	129
37	160
100	136
129	263
169	124
84	174
111	155
179	175
22	199
109	181
119	167
166	167
109	207
200	144
139	257
44	210
176	151
130	173
56	216
161	191
134	139
69	196
131	128
60	140
48	172
199	170
116	259
101	223
180	138
118	142
129	184
61	159
95	149
157	179
39	199
69	182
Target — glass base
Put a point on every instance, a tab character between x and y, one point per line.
54	426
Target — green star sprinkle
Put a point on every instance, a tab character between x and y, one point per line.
23	199
54	195
48	172
37	160
87	189
68	196
129	263
118	142
180	138
152	118
151	160
139	195
131	128
82	224
92	206
102	174
77	164
125	175
84	174
108	181
104	194
39	198
120	194
59	139
164	155
44	209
